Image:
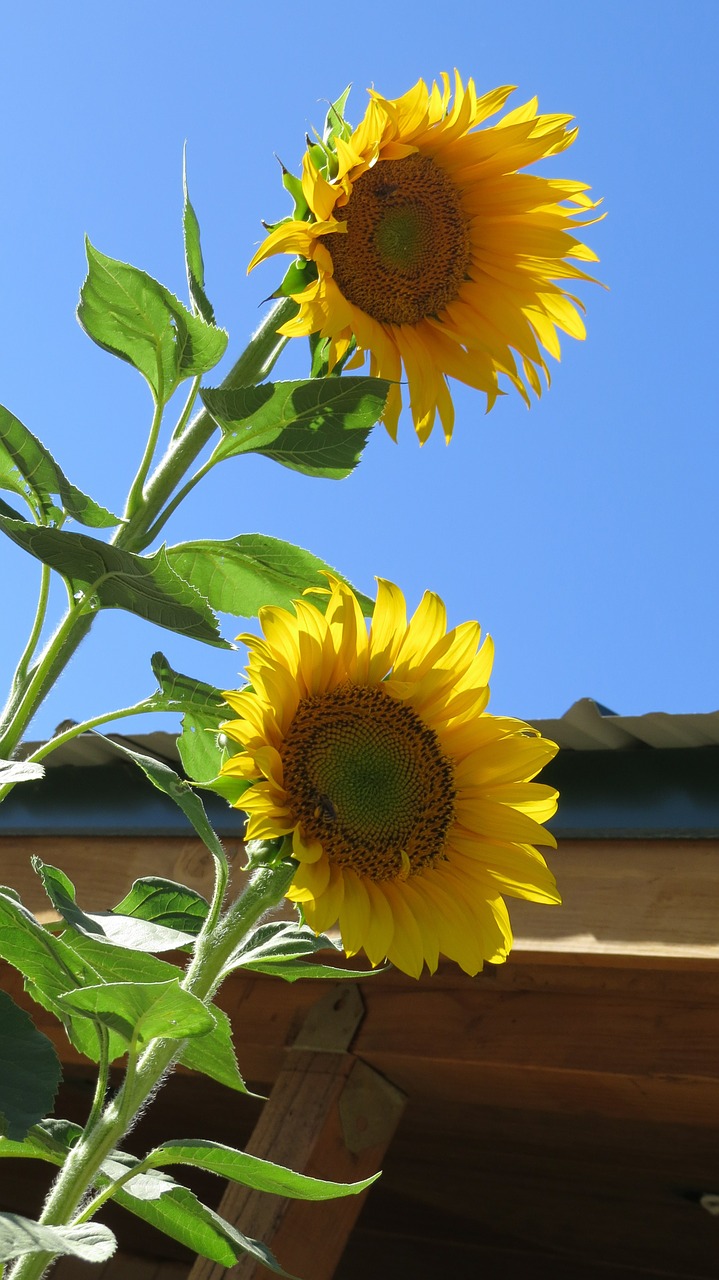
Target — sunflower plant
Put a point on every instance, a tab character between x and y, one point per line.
381	797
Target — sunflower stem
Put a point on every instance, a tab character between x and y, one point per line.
144	1074
137	532
253	366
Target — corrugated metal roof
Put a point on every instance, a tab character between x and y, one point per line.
620	777
586	726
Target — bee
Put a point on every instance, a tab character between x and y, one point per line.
384	190
325	807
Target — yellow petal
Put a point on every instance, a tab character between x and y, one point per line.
380	925
387	630
354	913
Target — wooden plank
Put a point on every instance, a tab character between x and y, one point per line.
103	870
477	1183
617	1039
630	897
329	1116
122	1266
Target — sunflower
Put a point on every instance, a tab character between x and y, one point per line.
431	251
409	806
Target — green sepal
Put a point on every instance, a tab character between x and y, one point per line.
323	156
30	1071
229	788
268	853
320	357
300	273
335	124
293	184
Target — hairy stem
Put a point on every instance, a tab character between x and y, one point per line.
37	626
253	365
265	889
134	497
53	660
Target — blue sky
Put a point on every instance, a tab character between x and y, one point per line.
581	534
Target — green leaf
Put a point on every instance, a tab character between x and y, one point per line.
140	1012
183	693
107	926
26	467
102	962
183	1217
163	902
144	1185
203	709
134	317
251	1171
49	1140
7	510
111	578
30	1071
166	780
280	948
49	966
282	940
200	752
110	963
242	574
18	1236
194	264
318	427
213	1055
14	771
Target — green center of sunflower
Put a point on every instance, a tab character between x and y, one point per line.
406	250
368	779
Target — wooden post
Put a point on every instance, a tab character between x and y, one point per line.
328	1115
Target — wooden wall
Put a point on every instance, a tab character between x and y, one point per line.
563	1109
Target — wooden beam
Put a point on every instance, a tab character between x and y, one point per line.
627	897
621	897
328	1115
618	1038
